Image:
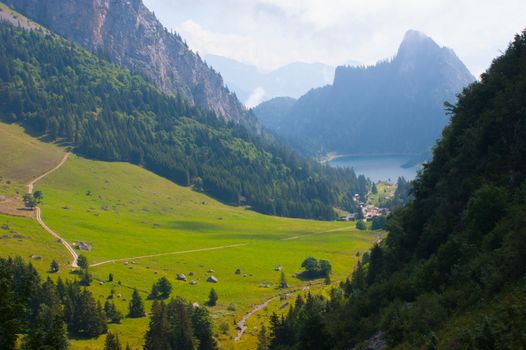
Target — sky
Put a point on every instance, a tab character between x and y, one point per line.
272	33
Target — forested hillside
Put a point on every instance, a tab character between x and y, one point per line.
53	87
451	273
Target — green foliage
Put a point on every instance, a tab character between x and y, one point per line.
112	342
82	262
136	306
361	225
177	325
112	314
55	88
316	269
29	201
378	223
212	298
54	267
161	289
452	271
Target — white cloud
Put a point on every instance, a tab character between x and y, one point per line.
271	33
256	97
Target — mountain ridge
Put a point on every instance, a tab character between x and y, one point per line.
131	36
395	105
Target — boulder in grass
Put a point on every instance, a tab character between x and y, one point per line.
210	271
181	277
212	279
238	272
191	273
193	282
278	268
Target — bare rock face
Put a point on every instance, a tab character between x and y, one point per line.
128	34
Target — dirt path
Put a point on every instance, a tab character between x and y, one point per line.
38	213
32	183
242	323
171	253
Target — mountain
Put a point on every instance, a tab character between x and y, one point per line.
395	106
451	273
130	35
59	90
253	86
275	111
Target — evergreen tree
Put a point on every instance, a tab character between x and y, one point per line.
47	332
82	262
212	297
263	341
54	267
136	306
283	281
112	342
203	329
161	289
158	335
112	314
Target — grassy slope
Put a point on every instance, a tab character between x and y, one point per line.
148	215
23	158
132	212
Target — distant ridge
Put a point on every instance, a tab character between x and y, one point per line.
395	106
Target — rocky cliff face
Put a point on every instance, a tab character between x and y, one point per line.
130	35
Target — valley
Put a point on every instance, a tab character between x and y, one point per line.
122	211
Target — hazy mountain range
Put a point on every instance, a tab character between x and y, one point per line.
252	86
395	106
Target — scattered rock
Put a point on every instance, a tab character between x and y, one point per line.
244	275
212	279
18	235
84	246
36	257
210	271
181	277
5	227
5	237
105	208
238	272
264	285
195	305
278	268
191	273
193	282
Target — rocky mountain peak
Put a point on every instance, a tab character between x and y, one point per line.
130	35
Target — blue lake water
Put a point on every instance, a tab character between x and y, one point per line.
378	168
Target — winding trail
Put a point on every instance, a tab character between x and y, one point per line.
38	213
171	253
242	323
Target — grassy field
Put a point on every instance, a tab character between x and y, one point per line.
23	158
125	212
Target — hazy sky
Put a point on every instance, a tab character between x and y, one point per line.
271	33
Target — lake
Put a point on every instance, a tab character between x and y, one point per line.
378	168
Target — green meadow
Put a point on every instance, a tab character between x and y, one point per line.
141	227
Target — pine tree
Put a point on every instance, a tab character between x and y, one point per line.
53	268
112	342
136	306
212	298
263	341
82	262
182	336
283	281
47	332
203	329
158	334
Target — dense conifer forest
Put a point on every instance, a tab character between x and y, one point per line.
56	89
451	273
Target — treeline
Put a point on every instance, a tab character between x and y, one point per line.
55	88
44	315
452	272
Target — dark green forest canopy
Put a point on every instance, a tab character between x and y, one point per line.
451	273
53	87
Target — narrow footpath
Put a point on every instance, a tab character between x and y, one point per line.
38	213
